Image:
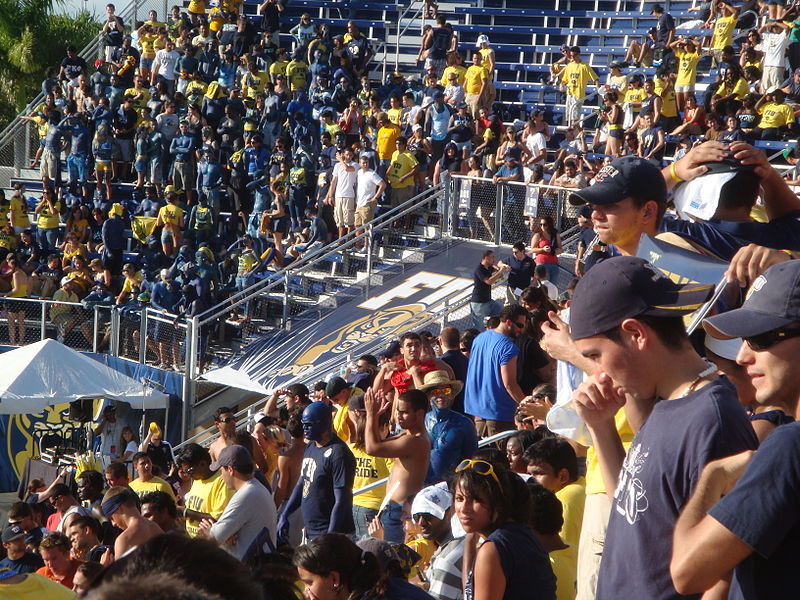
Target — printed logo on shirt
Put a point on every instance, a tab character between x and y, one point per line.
630	496
307	472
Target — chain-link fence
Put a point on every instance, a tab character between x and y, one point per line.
27	320
150	337
504	212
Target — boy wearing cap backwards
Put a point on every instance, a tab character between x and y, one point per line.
753	528
626	319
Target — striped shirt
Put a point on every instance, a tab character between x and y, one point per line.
444	573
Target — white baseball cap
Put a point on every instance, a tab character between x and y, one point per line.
433	500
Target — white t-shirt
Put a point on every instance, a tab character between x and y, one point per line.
345	180
368	182
774	46
166	62
536	143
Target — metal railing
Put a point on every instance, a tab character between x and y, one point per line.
402	14
25	321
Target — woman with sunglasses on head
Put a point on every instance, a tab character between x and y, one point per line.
511	564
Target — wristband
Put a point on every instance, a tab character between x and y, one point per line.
790	253
674	174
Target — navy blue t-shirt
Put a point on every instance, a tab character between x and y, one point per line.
762	511
660	471
324	469
482	291
521	271
29	563
724	238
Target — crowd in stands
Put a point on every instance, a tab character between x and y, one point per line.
641	462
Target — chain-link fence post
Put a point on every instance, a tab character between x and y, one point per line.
43	322
115	331
95	327
369	259
560	208
143	337
285	315
498	214
186	389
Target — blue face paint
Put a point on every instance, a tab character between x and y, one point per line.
317	419
314	430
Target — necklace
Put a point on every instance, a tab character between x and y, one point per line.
710	370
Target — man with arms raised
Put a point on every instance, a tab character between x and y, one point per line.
411	449
626	319
752	529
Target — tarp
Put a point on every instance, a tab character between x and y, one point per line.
48	373
283	357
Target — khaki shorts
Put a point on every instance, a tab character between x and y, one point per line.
49	166
400	195
344	212
364	214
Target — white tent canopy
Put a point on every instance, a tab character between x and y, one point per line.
48	373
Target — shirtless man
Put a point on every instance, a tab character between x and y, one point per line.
225	421
120	506
411	449
408	372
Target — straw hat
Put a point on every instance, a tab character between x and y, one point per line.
435	379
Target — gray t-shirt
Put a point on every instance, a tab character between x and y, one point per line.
250	510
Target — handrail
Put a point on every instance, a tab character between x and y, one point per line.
295	268
481	444
400	32
520	183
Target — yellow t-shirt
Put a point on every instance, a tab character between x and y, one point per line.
146	41
402	164
297	74
370	469
36	587
385	142
565	568
340	418
195	87
485	54
775	115
171	215
254	82
156	484
79	250
141	102
635	95
278	67
394	115
47	219
130	283
619	83
9	242
207	496
687	67
19	212
459	70
723	32
740	88
576	76
473	77
594	479
669	106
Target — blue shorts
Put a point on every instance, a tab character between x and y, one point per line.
141	166
146	63
167	237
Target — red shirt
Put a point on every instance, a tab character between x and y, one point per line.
402	380
67	579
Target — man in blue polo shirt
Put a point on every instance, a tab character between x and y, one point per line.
520	272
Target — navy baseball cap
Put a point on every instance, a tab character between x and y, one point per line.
773	301
625	287
624	177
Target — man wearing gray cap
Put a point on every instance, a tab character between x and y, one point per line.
250	514
752	529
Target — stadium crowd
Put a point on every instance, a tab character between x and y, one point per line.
642	462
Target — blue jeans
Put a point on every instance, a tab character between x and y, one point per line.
483	310
362	516
48	239
552	272
392	520
76	167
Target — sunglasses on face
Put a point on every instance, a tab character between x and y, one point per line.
519	325
445	390
227	420
481	467
763	341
